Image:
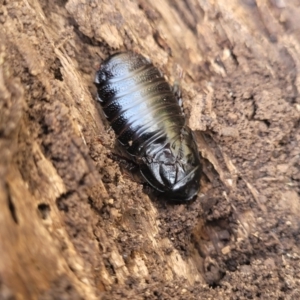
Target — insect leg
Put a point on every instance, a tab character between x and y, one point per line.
128	167
176	86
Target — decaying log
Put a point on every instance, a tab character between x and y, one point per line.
73	226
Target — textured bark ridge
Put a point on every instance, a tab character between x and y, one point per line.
73	226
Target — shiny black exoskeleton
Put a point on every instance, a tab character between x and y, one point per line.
150	125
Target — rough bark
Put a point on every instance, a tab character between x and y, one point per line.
73	226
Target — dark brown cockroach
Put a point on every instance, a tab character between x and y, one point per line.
149	123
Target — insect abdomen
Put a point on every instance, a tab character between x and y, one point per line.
137	101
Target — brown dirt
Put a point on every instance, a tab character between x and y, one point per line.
75	227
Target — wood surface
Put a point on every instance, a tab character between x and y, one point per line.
73	226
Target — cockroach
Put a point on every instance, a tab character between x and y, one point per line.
150	125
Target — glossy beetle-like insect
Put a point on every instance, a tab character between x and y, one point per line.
150	125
